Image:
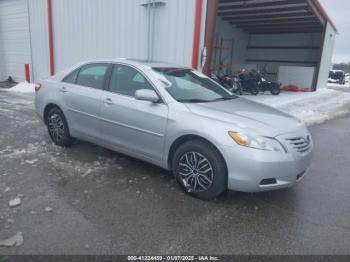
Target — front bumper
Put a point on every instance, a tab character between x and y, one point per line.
252	170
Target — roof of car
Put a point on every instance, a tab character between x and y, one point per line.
148	63
152	63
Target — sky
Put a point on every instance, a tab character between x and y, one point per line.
339	12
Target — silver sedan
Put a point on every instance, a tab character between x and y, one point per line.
178	119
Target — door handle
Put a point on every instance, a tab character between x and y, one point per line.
63	90
108	101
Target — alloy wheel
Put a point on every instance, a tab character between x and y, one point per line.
196	172
56	127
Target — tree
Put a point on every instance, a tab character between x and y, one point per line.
342	66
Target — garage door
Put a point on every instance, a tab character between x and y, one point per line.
14	39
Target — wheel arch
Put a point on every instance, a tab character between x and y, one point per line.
185	138
47	109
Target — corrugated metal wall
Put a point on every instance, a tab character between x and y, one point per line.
92	29
89	29
307	39
310	56
174	29
327	53
225	30
39	38
14	39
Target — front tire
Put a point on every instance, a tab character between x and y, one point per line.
253	88
239	90
200	169
57	127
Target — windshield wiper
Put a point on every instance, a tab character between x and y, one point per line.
193	101
225	98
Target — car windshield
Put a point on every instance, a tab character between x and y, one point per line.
188	86
336	75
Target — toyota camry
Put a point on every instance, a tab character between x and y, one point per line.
179	119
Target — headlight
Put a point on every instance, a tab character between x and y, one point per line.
256	141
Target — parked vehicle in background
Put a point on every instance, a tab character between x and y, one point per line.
347	78
230	83
236	85
247	83
178	119
336	77
264	84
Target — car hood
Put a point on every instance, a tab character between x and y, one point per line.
245	114
332	80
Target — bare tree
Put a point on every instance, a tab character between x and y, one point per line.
342	66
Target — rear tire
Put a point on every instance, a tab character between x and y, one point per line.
200	169
57	127
275	89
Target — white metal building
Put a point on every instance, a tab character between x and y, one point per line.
294	39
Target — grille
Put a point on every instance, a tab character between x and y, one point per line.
300	144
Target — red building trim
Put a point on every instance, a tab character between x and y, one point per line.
50	31
324	14
210	25
27	73
197	33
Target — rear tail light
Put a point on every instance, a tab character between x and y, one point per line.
37	87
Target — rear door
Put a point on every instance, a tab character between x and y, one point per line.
133	126
82	93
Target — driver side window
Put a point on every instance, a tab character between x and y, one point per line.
126	80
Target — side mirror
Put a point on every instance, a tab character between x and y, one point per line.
147	95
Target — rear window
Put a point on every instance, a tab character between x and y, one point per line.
72	77
92	75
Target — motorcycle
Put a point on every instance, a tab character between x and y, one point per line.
247	83
265	85
231	84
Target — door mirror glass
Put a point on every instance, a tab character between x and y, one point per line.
147	95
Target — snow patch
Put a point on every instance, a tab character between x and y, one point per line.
337	85
32	162
15	202
48	209
23	87
311	108
16	240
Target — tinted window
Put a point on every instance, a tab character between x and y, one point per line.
92	75
126	80
71	78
